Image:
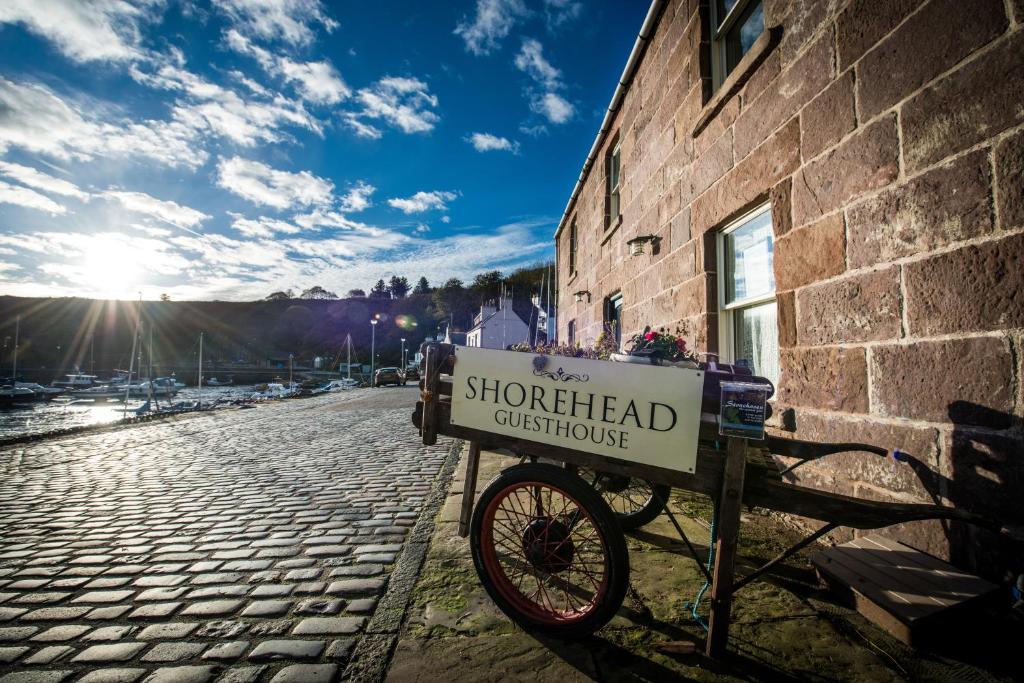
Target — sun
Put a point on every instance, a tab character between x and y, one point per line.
113	267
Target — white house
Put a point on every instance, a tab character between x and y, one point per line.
498	326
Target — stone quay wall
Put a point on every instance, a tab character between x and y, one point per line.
888	137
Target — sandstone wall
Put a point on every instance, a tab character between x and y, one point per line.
888	136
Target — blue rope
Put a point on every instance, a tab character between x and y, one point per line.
707	584
711	563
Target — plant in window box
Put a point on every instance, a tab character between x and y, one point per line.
657	347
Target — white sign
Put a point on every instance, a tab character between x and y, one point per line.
639	413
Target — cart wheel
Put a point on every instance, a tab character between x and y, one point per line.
548	551
635	502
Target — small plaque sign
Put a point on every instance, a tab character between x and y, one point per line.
743	410
638	413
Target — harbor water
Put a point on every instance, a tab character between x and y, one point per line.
40	417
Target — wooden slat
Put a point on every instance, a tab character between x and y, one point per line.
903	606
729	503
934	574
469	488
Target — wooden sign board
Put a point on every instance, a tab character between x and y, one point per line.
639	413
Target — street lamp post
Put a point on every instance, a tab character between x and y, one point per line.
403	354
373	344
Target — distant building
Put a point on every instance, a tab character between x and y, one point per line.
505	322
829	190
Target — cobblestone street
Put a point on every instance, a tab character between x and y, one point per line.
241	545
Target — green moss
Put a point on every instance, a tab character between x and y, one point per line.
445	585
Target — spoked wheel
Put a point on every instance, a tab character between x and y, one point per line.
549	551
635	502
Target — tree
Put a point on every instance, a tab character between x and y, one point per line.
281	296
452	300
356	294
422	287
317	292
379	290
398	287
487	286
165	297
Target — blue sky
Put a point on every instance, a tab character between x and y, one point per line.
227	150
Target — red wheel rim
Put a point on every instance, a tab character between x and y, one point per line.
544	553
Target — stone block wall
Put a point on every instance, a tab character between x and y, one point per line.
888	137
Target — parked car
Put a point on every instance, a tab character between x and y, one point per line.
412	374
388	376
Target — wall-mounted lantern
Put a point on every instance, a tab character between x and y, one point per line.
582	293
637	244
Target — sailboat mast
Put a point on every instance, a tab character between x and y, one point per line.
150	371
17	333
92	355
131	358
348	362
199	384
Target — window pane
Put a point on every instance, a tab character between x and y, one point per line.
743	33
748	260
613	170
613	205
757	339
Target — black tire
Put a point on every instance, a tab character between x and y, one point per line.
601	600
634	502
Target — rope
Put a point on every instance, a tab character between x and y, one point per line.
713	537
707	584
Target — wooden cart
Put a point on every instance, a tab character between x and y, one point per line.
550	551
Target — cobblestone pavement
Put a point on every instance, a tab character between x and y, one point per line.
243	545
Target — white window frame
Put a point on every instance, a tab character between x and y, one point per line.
718	33
726	327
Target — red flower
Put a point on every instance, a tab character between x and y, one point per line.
649	336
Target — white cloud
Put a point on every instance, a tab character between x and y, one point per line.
545	100
531	61
30	199
290	21
558	12
261	184
534	131
553	106
493	21
317	82
167	211
35	178
405	103
34	119
262	226
423	201
106	30
486	142
208	107
358	197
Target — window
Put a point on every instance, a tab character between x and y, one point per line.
613	171
572	333
747	315
572	247
613	317
735	25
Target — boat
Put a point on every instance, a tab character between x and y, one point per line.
41	393
11	395
160	387
75	380
335	385
214	382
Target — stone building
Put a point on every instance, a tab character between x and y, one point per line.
832	190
